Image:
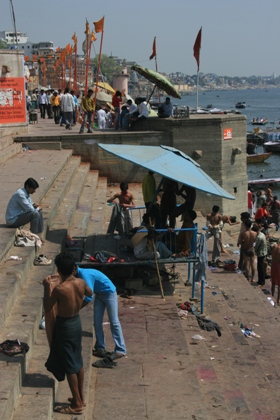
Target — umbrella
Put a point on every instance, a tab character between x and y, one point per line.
106	86
158	80
170	163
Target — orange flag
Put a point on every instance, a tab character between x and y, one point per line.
99	25
34	57
26	58
196	48
154	53
75	42
74	37
57	49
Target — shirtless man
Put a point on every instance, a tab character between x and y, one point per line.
121	216
66	347
214	219
275	270
248	238
125	198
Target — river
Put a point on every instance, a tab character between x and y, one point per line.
261	103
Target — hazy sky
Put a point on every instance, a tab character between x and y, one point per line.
239	37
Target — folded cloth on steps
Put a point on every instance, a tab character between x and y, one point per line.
66	347
27	238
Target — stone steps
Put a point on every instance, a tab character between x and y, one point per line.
10	387
68	205
81	218
79	195
5	141
45	166
14	273
21	306
10	151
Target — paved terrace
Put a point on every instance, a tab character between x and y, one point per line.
167	374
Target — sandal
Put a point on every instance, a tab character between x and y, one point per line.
104	363
114	356
42	260
100	353
69	410
70	399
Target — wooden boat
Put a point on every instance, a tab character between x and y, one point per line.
261	121
272	146
258	157
240	105
263	181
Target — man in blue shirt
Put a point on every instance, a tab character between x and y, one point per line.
21	209
105	298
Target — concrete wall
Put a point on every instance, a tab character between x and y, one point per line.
200	136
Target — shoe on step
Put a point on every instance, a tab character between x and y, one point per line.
42	260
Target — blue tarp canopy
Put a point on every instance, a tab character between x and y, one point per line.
170	163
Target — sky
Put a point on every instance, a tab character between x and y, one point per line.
239	37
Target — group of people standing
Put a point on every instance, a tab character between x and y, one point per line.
62	107
67	108
264	205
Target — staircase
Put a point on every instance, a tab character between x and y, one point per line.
67	195
167	374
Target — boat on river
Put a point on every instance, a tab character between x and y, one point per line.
259	121
258	157
272	146
263	181
240	105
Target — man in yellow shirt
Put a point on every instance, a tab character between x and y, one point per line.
55	103
88	108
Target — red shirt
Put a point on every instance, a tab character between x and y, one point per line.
250	200
116	101
261	212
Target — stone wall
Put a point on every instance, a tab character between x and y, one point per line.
200	136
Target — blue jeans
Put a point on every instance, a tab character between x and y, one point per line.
108	301
87	118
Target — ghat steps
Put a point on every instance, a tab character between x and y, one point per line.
167	374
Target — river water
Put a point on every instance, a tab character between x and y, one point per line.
261	103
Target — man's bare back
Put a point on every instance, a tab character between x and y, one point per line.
68	295
248	239
214	219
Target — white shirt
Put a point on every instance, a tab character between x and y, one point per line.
101	115
67	102
132	108
143	110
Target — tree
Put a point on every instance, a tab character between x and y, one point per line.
3	44
108	67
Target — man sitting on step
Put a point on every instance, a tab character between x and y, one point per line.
21	209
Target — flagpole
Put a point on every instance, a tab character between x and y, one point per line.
97	76
86	81
196	53
197	82
157	72
75	71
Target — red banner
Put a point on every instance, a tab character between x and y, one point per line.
12	100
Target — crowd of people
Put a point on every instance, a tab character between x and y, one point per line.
68	108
